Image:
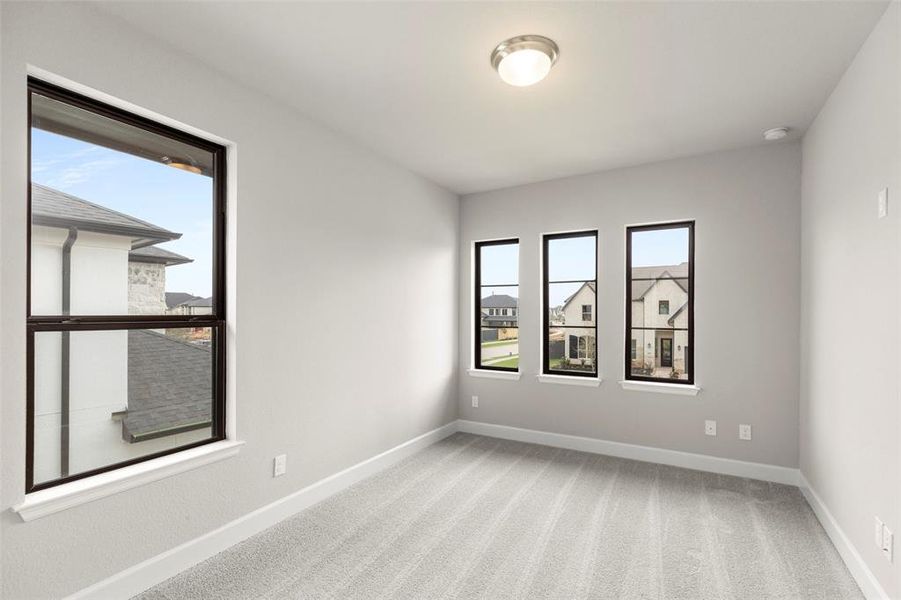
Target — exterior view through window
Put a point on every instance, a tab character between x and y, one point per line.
497	305
659	297
125	297
570	299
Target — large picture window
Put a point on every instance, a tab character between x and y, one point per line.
496	305
659	302
126	279
569	262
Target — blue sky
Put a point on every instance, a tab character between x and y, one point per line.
574	259
151	191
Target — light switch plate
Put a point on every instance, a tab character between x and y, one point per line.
475	401
882	203
887	542
744	432
280	465
878	526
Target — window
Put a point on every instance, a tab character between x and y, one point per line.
496	287
126	280
569	262
660	271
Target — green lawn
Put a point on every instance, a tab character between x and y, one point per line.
499	343
510	363
556	363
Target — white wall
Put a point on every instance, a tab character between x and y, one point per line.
746	204
323	227
850	427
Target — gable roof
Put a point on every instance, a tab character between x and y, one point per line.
53	208
198	302
170	386
672	319
590	285
500	301
173	299
644	278
155	254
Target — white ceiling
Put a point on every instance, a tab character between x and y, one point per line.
636	82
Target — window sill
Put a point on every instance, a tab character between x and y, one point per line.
68	495
570	380
661	388
511	375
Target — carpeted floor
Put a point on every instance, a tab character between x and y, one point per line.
476	517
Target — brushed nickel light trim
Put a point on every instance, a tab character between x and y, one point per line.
510	46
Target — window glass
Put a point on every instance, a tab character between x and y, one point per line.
660	272
497	303
570	298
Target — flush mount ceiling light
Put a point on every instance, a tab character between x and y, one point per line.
776	133
525	59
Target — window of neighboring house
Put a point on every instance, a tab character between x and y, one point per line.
660	262
496	282
569	263
126	303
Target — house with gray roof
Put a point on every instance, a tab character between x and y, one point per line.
659	307
500	317
153	386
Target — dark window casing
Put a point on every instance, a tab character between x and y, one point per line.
663	307
689	347
477	305
69	323
546	319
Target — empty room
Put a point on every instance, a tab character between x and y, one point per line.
448	299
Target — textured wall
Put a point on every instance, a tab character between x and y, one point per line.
850	410
323	227
746	204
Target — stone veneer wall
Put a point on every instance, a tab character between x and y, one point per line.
146	288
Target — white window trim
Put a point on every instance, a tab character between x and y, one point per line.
570	380
487	374
679	389
75	493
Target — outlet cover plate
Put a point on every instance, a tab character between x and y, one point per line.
709	427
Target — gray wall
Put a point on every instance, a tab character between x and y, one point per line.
325	229
850	430
747	207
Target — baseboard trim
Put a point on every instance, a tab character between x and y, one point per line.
865	579
157	569
676	458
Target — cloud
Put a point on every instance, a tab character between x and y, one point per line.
68	170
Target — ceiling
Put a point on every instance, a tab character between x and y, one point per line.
636	82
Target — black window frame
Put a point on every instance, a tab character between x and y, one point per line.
689	354
216	321
546	317
477	306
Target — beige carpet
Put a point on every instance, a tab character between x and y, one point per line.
476	517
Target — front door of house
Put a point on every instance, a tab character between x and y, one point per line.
666	352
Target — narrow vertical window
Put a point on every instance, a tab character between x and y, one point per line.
496	304
126	279
659	302
569	262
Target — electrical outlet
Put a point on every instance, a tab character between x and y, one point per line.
280	465
475	401
744	432
882	203
887	542
709	427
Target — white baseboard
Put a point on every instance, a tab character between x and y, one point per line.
688	460
144	575
867	582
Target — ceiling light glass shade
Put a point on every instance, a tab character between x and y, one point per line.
525	59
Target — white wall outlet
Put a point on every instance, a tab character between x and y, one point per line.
882	203
878	526
279	465
887	542
475	401
744	432
709	427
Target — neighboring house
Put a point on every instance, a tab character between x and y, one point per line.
579	346
173	299
194	306
659	300
500	314
89	259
